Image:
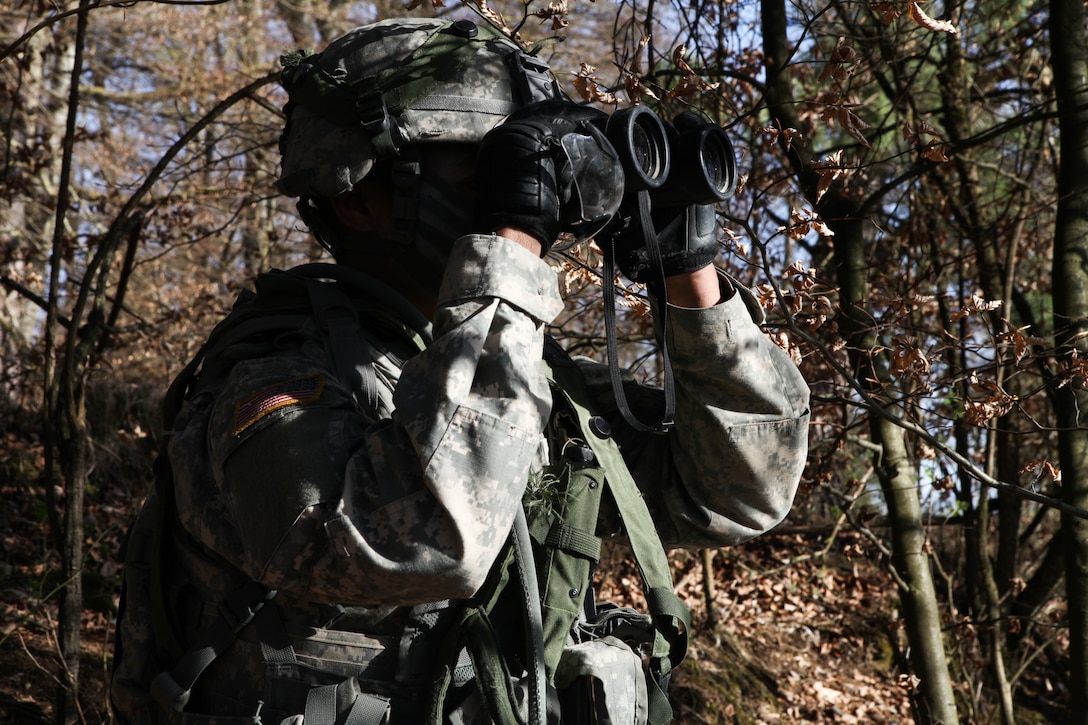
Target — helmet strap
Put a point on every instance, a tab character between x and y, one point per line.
445	214
406	182
314	218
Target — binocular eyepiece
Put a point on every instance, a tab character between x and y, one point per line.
690	161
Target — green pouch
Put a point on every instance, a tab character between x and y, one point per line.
561	506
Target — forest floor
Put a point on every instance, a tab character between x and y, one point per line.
806	629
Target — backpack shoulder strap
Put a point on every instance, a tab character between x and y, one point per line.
671	617
284	299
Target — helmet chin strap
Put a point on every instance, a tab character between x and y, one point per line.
429	212
314	219
406	182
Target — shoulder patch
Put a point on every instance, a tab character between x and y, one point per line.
290	392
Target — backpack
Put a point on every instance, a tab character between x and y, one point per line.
575	651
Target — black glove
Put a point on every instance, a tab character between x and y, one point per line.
519	183
687	237
526	172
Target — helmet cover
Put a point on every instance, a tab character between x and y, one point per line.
395	83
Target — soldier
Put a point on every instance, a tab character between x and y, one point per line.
329	537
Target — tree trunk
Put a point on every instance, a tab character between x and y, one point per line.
1070	65
921	611
75	456
994	275
66	413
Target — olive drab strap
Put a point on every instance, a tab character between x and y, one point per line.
337	318
473	632
563	518
671	618
530	594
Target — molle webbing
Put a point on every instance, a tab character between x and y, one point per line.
671	618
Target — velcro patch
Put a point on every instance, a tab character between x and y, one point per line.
274	397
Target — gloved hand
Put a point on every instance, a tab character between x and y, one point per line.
526	172
520	183
687	237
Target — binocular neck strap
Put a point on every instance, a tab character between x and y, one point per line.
609	273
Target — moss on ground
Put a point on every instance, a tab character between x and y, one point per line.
722	684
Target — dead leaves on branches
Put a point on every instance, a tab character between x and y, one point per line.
589	87
691	84
891	11
928	142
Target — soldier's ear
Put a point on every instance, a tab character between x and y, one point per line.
366	209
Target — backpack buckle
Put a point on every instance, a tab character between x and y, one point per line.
533	78
372	113
240	606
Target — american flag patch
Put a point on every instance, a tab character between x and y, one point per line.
280	395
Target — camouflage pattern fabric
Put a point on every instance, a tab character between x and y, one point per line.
613	671
327	151
282	477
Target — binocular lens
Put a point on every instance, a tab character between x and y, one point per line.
718	163
639	138
649	152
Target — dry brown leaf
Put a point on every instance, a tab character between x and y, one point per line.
908	360
1021	341
588	87
692	83
832	107
494	17
996	402
919	16
678	59
1040	467
635	89
973	306
889	12
690	86
838	66
853	125
1075	371
913	132
788	134
802	221
935	152
829	170
555	12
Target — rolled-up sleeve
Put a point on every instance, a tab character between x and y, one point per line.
415	507
729	468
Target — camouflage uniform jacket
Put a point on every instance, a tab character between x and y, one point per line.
283	476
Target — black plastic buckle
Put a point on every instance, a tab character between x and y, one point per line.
372	113
533	78
240	606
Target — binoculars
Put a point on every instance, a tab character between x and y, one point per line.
688	162
631	151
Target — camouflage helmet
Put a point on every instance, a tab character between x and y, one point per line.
389	85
